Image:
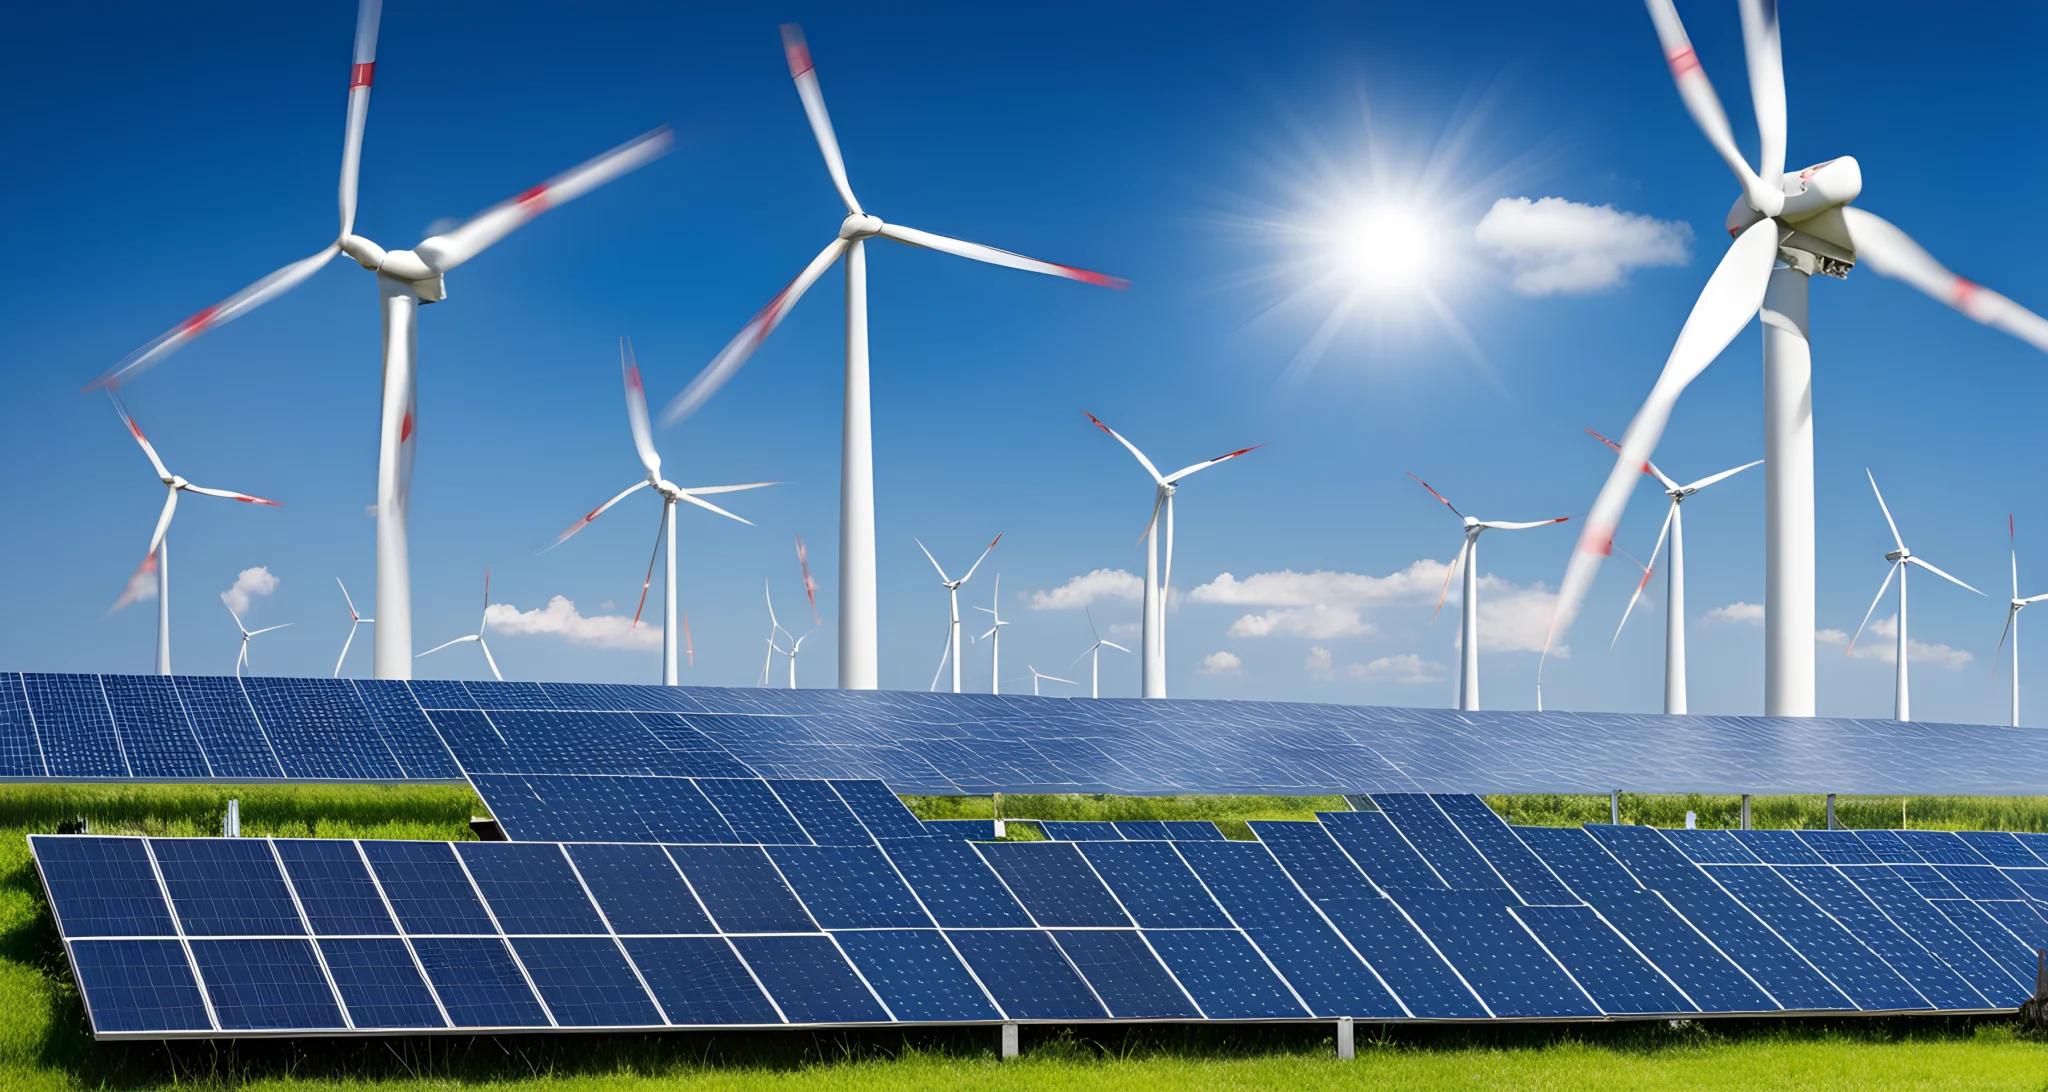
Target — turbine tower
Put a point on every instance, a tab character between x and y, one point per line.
478	636
1152	663
952	587
158	560
643	441
1674	577
858	660
1786	227
1094	656
405	280
355	621
2012	622
1468	628
1902	704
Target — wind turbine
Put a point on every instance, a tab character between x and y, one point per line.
1902	708
242	657
995	633
478	636
857	628
1038	676
158	560
952	587
354	620
1094	655
2012	622
1674	578
643	441
1786	227
1152	664
1468	629
405	280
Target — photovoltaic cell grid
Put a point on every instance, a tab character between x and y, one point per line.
1430	908
82	727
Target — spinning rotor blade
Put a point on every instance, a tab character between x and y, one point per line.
448	644
267	629
1437	495
352	616
962	249
1915	560
801	70
749	338
1731	298
368	12
596	512
1129	446
1889	251
1705	106
1496	525
1712	478
702	489
163	522
636	409
691	498
136	430
1766	59
982	558
943	578
1648	568
231	495
141	583
649	581
1649	467
446	251
1885	508
227	310
803	560
1881	588
491	660
1449	571
1207	463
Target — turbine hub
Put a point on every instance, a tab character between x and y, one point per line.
176	482
1898	555
859	225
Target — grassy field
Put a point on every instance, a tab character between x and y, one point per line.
44	1043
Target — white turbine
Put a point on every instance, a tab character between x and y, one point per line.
952	587
478	636
1902	705
2012	622
1674	578
995	634
1152	664
1787	227
1094	656
643	441
405	280
158	560
1038	676
354	620
242	657
774	627
858	658
1468	628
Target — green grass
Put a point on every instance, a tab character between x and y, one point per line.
1785	812
44	1042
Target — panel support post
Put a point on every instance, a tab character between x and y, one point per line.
1614	807
1745	811
1009	1042
1833	823
1346	1045
231	820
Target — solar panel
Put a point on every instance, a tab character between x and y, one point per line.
1375	846
333	887
1501	962
1838	847
74	725
21	753
1154	885
478	982
810	980
1125	974
849	887
1068	830
1999	848
1526	875
961	830
151	724
218	712
1991	937
955	885
586	982
823	815
1933	930
529	887
226	887
320	730
102	887
753	811
1601	961
1840	900
1027	974
742	889
700	981
1777	847
1425	827
1054	883
1227	977
138	986
879	810
380	984
428	888
408	736
918	975
1851	966
639	889
260	984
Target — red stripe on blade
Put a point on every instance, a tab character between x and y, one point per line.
534	200
361	75
1089	276
1684	62
199	322
405	429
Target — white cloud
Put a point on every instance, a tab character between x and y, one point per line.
560	618
1125	629
1089	588
1320	622
1319	662
1288	588
1557	246
1325	605
1221	663
250	583
1405	668
1882	645
1750	614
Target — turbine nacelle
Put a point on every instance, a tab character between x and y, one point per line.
859	225
399	265
1898	555
1815	236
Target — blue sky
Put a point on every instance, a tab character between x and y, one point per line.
167	157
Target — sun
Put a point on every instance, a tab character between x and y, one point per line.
1387	247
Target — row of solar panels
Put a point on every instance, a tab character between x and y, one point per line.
1429	909
186	727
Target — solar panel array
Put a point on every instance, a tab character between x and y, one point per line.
1429	909
76	727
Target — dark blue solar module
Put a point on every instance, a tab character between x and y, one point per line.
639	889
1939	847
879	810
753	811
1582	863
379	983
1071	830
530	887
1839	899
2033	881
849	887
1227	977
1125	974
334	887
1838	847
810	980
320	729
154	733
1501	961
1713	846
226	887
1980	882
1991	937
2021	920
1370	839
1604	964
1778	847
1192	830
219	713
1142	830
102	887
742	889
428	888
1999	848
956	885
1055	883
1425	827
823	815
478	983
1527	875
21	753
76	729
917	975
1928	881
1888	847
699	981
586	981
1154	885
408	735
962	830
1926	924
260	984
138	986
1027	974
1670	942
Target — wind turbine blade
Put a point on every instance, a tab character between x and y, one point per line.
2011	613
990	633
2034	598
689	497
1705	106
805	74
700	490
1114	645
237	617
1649	467
338	660
1437	495
141	582
1056	678
1207	463
1766	59
1892	253
1888	574
1449	571
352	616
963	249
749	338
1158	499
1885	508
984	557
1640	585
2013	538
446	251
360	73
774	626
136	430
1917	560
1669	516
489	659
267	629
943	578
594	513
1731	298
651	558
446	644
233	496
943	656
1090	615
1712	478
1128	446
220	314
636	409
803	560
163	522
1496	525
